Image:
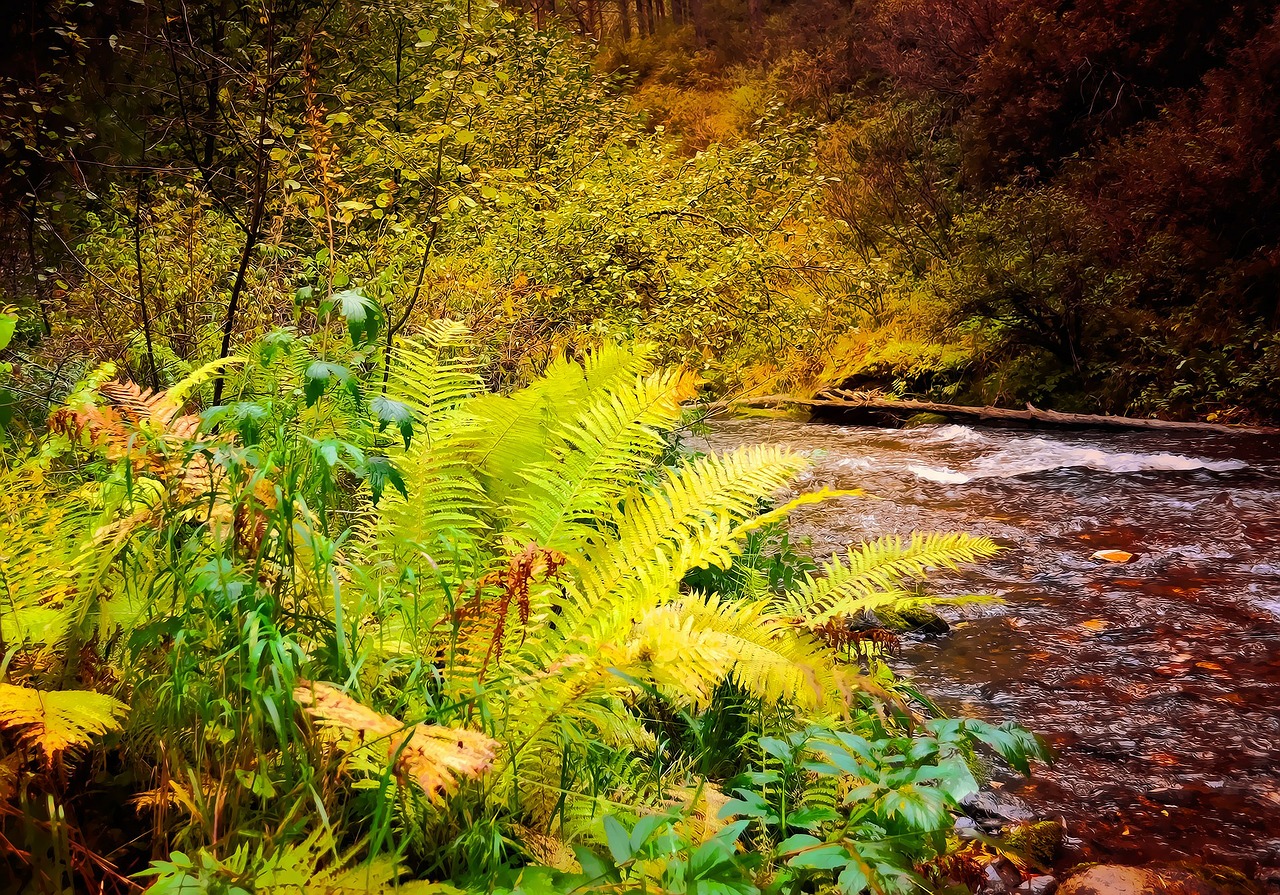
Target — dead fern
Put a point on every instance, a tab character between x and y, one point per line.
433	757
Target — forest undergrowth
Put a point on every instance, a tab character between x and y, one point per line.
363	631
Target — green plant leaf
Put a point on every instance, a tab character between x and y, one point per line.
361	313
853	879
8	323
594	867
822	857
318	378
619	840
379	472
388	411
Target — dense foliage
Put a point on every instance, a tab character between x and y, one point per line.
1066	202
332	637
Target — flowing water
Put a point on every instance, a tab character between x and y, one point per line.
1158	681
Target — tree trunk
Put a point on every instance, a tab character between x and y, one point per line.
624	18
839	399
699	21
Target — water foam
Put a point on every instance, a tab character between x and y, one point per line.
1035	455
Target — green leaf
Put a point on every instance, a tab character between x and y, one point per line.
8	323
388	411
823	857
751	804
808	818
361	313
378	472
619	841
779	749
644	829
798	841
318	377
853	879
595	867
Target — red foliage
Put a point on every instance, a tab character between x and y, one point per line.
1041	81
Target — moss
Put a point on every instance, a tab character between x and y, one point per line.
1039	841
924	419
912	619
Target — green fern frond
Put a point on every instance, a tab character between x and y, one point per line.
694	516
772	660
873	573
431	374
22	626
594	457
178	393
612	365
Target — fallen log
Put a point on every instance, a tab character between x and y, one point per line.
840	399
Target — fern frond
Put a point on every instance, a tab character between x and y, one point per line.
873	573
595	456
433	757
768	657
177	394
446	507
694	516
58	720
611	365
431	374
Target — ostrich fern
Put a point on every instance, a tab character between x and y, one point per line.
528	579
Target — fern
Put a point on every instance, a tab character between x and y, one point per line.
55	721
595	456
872	574
432	375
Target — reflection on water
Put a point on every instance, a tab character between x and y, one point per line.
1158	680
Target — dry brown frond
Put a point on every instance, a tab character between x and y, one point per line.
432	756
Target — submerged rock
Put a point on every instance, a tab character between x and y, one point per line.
1158	879
997	806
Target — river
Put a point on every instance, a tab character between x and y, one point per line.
1157	681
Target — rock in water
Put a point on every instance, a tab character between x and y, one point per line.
998	806
912	620
1158	879
1038	885
1112	556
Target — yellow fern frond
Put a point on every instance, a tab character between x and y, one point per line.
595	455
872	574
58	720
432	374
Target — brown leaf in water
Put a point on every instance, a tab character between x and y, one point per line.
1112	556
433	757
1095	624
